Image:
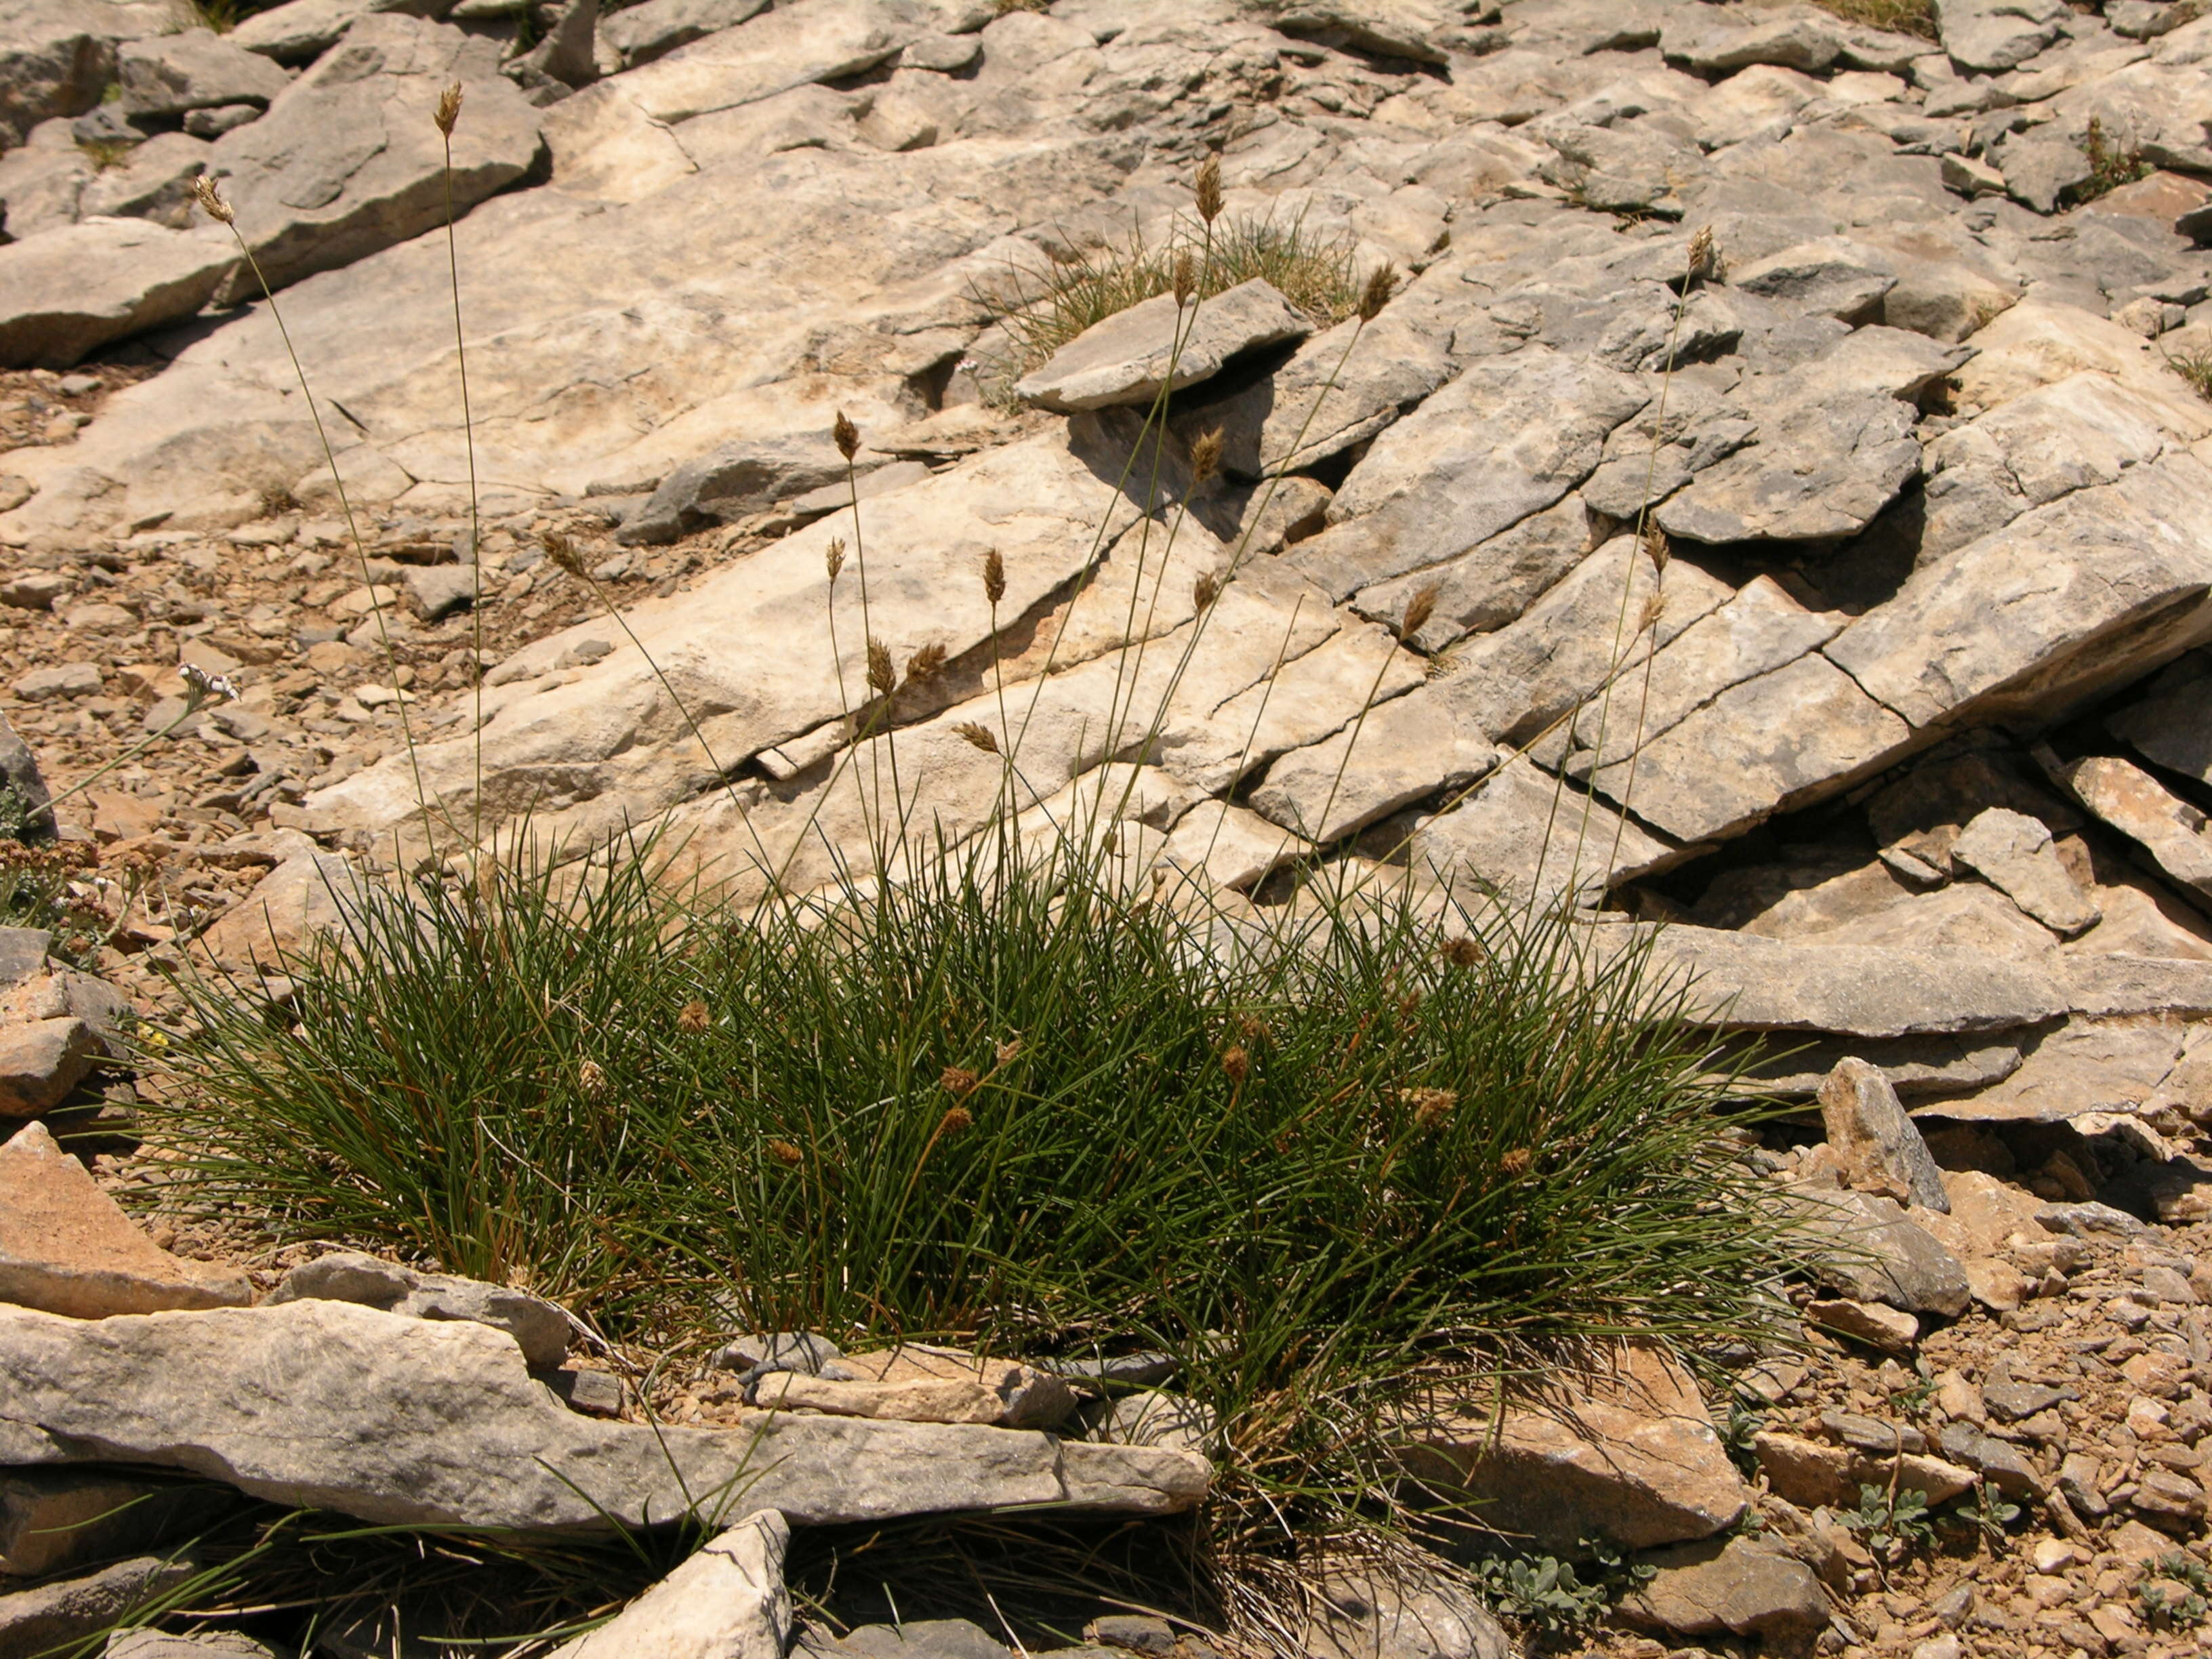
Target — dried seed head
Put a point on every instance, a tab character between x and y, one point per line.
955	1119
925	664
1252	1028
1654	608
1419	609
1517	1161
784	1152
1186	276
1655	546
1462	953
1701	251
957	1081
881	676
994	576
1380	285
693	1019
1206	458
833	558
591	1080
978	736
1431	1106
449	109
1209	189
1205	591
1235	1063
1007	1050
210	199
563	553
848	436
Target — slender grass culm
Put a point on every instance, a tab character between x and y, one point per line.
1338	1158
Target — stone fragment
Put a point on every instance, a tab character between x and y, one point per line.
1989	35
309	894
1795	37
348	162
1825	463
912	1639
52	1617
437	591
201	1644
1418	30
1811	1472
299	31
1997	1461
1400	1611
389	1419
539	1328
1880	1150
41	1062
76	289
1744	1587
1229	846
154	182
1135	354
66	1247
643	32
728	1602
2137	805
1520	839
2015	853
1890	1329
1833	277
197	68
1403	751
1870	1252
916	1383
1629	1452
1154	1417
57	57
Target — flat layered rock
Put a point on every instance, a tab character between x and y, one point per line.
2014	854
642	34
728	1602
539	1328
80	286
388	1418
1520	837
1997	34
1404	752
2129	798
197	68
1873	1253
348	160
67	1247
1158	346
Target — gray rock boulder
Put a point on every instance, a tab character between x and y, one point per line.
300	30
19	772
52	1616
1867	1249
396	1420
2014	854
197	68
154	182
1833	276
57	57
348	160
2169	828
728	1602
1997	34
1743	1587
539	1328
1131	357
1880	1150
78	288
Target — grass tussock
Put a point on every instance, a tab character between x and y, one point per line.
2112	163
1913	17
2196	367
1007	1105
1043	309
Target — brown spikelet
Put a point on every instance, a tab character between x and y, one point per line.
210	199
925	664
693	1019
1654	608
1380	285
1209	187
1186	276
833	558
1656	547
1462	953
591	1080
1206	458
957	1081
994	576
1517	1161
1419	609
978	736
881	675
784	1152
564	553
1252	1028
449	109
1007	1050
1701	251
956	1119
1205	591
1235	1063
1431	1106
846	435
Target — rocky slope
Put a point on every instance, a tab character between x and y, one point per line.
1895	718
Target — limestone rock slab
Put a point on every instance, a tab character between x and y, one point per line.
642	34
1997	34
197	69
395	1419
539	1328
1404	750
1870	1251
1520	838
728	1602
1740	1587
77	288
67	1247
1881	1150
348	160
1135	354
2129	798
2015	853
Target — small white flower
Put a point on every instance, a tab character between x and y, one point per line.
202	687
